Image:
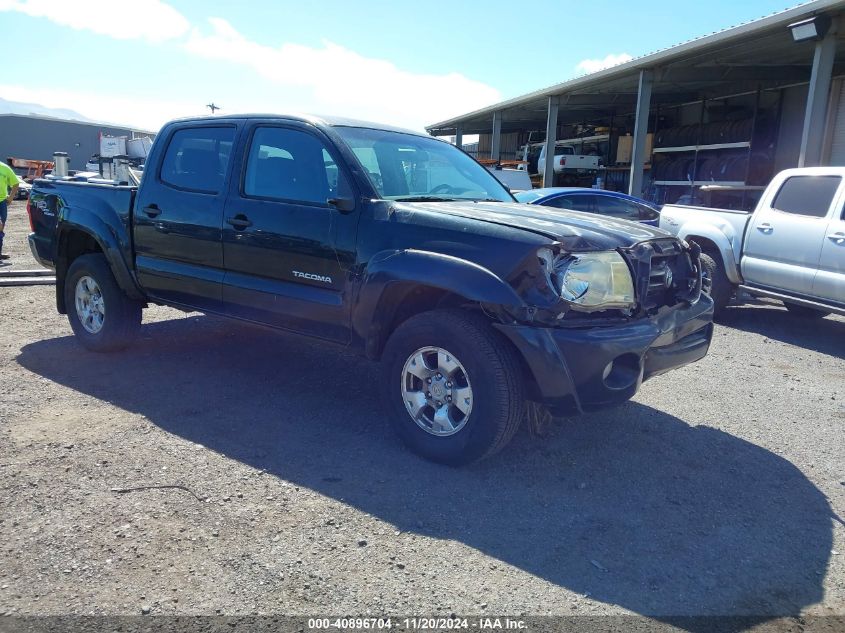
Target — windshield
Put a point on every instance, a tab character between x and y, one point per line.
405	167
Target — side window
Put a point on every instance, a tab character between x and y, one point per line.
647	213
617	208
369	160
332	173
576	203
807	195
196	158
288	164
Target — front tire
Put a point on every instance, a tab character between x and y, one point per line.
102	317
453	386
720	287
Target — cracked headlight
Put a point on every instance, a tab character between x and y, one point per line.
589	281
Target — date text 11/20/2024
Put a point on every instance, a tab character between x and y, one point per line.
417	624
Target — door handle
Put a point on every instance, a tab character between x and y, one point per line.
152	211
838	237
239	222
765	227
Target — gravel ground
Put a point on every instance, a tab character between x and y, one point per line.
719	490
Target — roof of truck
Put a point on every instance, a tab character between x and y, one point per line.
331	121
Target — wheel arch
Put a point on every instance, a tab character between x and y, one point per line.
715	243
73	241
400	285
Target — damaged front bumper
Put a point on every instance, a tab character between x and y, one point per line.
577	369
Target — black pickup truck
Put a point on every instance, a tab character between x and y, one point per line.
395	244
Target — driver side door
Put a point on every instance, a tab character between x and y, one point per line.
288	252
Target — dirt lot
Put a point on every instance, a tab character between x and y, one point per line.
719	490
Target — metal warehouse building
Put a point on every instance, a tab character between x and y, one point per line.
710	119
37	137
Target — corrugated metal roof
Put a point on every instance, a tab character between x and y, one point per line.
654	59
88	123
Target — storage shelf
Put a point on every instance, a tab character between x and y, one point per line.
687	183
701	148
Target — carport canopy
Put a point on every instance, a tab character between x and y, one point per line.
754	56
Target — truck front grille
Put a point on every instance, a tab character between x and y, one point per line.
666	273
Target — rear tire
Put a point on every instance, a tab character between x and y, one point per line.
484	367
805	312
720	289
102	317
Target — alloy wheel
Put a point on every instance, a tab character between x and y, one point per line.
436	391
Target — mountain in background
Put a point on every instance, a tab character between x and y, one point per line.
15	107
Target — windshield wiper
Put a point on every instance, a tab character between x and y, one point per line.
424	199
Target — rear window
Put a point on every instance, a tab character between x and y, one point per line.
807	195
527	196
577	202
626	209
196	158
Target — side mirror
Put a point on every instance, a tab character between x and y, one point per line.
344	205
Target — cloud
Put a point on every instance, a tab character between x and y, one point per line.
594	65
290	77
128	110
341	81
152	20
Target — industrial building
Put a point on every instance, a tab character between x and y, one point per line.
709	120
37	137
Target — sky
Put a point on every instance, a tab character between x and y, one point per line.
143	62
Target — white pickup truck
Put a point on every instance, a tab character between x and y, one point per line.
566	160
791	247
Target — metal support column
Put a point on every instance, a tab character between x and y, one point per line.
638	157
812	137
548	169
496	143
459	137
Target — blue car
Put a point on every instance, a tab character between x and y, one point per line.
609	203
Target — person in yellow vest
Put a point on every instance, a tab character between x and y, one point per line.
8	191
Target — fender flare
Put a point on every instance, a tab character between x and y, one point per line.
375	307
717	235
106	237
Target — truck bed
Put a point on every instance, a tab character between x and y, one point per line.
731	221
75	202
703	224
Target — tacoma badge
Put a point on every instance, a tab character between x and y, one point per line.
312	276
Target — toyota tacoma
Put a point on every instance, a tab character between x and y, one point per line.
791	248
391	243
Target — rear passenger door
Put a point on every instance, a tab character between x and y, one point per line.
829	283
783	242
288	252
178	218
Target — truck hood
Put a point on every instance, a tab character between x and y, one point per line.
574	229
